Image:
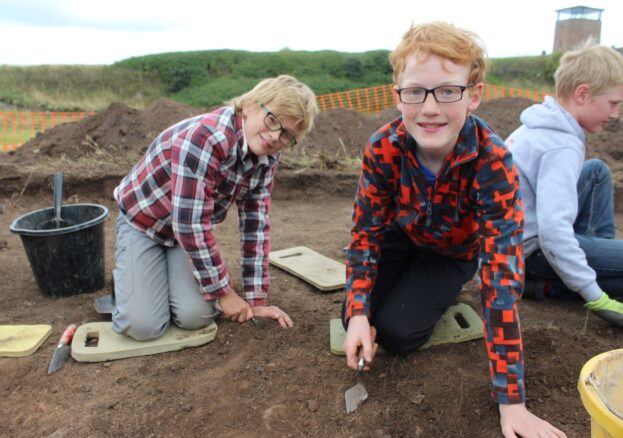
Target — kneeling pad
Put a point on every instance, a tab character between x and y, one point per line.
322	272
22	340
459	324
97	342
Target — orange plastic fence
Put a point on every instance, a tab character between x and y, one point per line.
17	127
375	99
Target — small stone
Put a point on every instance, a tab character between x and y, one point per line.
107	364
312	405
417	398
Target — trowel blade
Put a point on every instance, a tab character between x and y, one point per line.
354	397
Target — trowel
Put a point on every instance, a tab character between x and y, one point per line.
62	350
357	394
56	222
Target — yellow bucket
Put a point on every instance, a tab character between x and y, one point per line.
601	389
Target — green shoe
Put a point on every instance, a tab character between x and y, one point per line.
607	308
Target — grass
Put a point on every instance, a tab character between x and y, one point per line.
207	78
76	87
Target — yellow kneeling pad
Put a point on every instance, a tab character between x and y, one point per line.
22	340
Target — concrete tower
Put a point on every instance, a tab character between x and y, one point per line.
575	25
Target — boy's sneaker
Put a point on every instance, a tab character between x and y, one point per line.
538	289
607	308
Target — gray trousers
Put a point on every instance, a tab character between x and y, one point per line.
154	284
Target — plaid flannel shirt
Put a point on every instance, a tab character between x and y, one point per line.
185	183
473	210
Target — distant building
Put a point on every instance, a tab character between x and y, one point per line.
575	25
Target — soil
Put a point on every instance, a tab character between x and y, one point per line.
265	382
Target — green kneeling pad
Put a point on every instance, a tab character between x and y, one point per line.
459	324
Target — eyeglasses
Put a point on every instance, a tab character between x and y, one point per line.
443	94
271	121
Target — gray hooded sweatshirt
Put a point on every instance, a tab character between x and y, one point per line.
548	150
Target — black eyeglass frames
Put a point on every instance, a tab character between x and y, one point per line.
271	121
442	94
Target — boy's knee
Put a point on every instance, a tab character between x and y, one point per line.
139	327
399	340
598	167
147	332
194	317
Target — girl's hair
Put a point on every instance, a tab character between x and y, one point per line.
598	66
285	96
446	41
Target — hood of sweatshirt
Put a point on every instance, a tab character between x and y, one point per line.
551	115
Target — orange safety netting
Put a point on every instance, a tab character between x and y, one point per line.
375	99
17	127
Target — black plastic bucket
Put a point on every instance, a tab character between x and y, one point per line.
70	260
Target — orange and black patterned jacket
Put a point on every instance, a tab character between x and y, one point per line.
473	210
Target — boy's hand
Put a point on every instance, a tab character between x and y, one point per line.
517	421
607	308
235	308
273	312
359	335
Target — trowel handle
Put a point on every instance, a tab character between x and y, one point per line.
58	193
68	334
361	362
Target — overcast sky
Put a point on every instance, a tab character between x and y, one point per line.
102	32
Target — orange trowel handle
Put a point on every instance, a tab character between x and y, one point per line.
68	334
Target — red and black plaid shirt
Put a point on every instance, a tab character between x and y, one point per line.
186	182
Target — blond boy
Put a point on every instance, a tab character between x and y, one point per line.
168	266
569	239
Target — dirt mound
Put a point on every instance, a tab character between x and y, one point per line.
102	148
114	131
96	152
